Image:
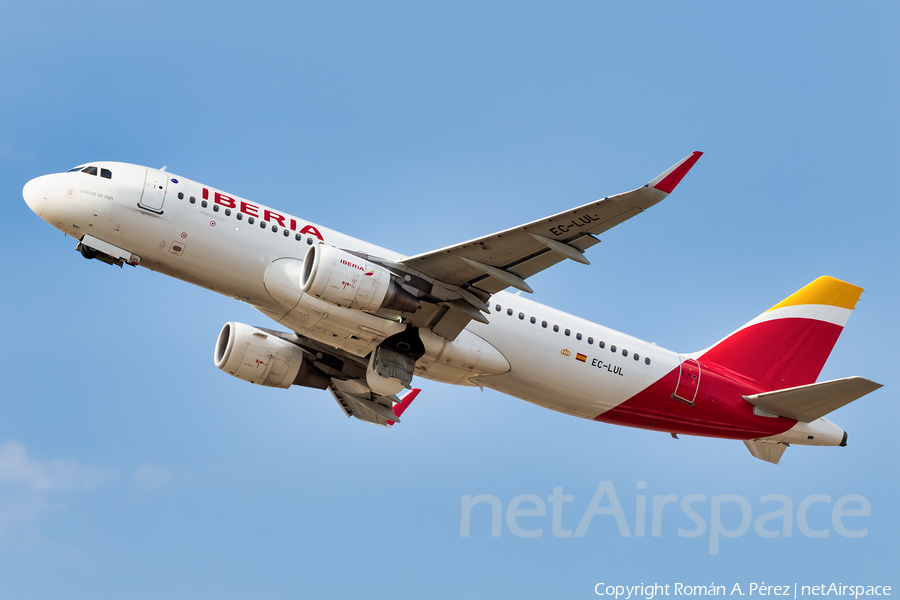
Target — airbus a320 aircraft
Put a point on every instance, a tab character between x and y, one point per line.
364	320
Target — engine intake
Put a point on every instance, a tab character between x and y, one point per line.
342	279
253	355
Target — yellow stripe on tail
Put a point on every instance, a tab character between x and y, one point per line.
824	290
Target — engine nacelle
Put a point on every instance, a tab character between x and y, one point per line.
253	355
342	279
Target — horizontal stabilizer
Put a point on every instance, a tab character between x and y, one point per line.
807	403
766	451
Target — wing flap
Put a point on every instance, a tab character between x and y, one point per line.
807	403
533	264
367	406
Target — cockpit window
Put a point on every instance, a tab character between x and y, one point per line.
106	173
90	170
73	170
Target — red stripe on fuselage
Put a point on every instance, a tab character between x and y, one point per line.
718	410
770	355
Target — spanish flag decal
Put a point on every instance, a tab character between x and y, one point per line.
581	357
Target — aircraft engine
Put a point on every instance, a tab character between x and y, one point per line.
253	355
342	279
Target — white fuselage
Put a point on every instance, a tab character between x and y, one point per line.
186	230
250	252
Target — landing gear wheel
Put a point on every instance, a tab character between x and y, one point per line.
89	253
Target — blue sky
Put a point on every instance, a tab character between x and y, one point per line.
131	467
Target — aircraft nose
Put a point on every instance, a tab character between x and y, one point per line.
36	193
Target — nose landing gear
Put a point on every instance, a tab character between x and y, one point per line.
91	247
89	253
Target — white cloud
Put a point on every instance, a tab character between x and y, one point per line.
20	471
31	489
150	476
28	485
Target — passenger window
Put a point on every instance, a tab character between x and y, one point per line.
613	348
239	216
309	241
509	311
298	237
287	233
90	170
215	208
227	212
204	204
180	194
106	173
497	307
624	352
250	220
602	344
521	316
262	224
533	320
568	332
193	200
577	336
590	340
647	361
556	328
637	356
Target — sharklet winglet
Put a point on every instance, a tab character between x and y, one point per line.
671	178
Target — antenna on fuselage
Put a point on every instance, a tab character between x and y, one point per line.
164	167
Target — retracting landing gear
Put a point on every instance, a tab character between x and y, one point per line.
91	247
89	253
391	364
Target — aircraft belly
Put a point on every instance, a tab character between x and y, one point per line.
466	360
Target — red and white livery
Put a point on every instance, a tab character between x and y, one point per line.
364	321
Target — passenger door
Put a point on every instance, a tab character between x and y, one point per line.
154	194
688	381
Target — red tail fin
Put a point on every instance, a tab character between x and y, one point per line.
788	345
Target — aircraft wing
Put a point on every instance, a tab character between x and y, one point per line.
456	282
365	405
346	377
505	259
